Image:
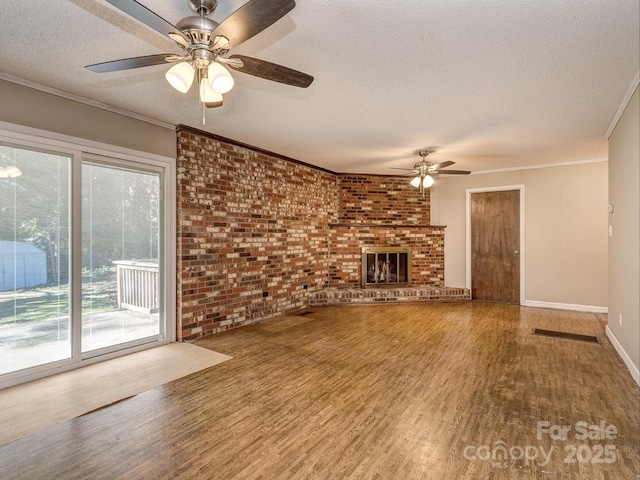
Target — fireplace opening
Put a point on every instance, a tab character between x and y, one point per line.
386	267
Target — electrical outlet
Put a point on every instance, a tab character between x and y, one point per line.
620	317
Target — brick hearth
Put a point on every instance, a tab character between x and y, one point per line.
339	296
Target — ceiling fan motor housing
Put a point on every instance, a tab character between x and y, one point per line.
198	29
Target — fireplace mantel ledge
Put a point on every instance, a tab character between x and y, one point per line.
385	225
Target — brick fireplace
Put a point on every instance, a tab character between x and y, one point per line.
347	241
260	234
383	212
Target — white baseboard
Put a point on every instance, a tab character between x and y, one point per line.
623	354
565	306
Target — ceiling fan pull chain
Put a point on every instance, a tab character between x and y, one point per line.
204	116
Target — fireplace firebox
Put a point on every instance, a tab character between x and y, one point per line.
386	267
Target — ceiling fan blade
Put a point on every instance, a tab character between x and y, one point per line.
251	18
149	18
451	172
134	62
232	62
271	71
407	169
440	165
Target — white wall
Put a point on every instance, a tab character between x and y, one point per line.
33	108
565	244
624	261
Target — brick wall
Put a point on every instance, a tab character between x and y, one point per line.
252	222
248	223
375	199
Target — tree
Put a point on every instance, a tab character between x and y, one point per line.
120	211
35	207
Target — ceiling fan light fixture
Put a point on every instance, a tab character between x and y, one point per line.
416	182
180	76
207	93
10	172
427	181
220	78
13	171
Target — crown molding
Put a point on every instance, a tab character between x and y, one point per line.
544	165
625	101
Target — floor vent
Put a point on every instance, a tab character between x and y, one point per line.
304	313
568	336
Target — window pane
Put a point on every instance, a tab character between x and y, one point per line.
34	258
120	248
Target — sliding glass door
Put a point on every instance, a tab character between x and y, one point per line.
83	257
120	252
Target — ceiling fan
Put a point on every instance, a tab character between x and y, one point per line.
205	46
423	171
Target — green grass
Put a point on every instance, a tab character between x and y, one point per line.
33	304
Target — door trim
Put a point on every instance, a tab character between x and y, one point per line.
468	233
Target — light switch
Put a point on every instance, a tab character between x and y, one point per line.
611	230
610	208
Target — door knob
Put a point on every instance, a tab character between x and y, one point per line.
516	252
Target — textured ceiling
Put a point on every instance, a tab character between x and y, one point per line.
489	84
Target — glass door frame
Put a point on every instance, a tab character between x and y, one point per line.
79	151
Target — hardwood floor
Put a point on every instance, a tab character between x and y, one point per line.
416	391
24	409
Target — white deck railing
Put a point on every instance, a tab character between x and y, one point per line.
137	285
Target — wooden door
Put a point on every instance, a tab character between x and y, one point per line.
495	246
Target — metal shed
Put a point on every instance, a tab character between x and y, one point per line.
22	265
